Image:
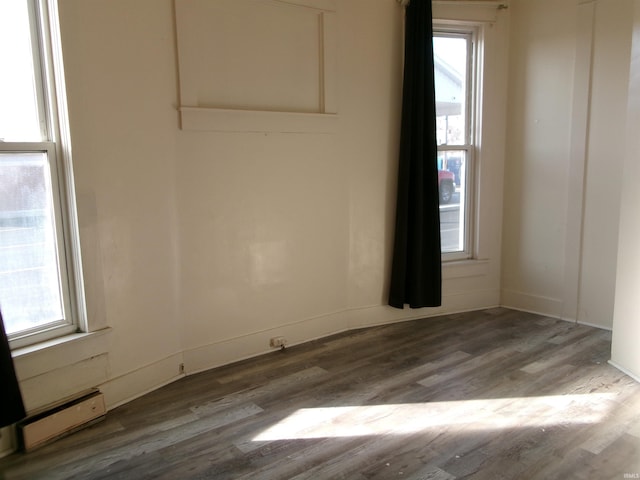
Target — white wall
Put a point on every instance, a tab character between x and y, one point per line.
568	73
625	353
291	234
198	246
604	162
540	82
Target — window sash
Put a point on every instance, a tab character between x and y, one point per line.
469	33
466	204
63	325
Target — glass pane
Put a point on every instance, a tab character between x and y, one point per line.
452	180
450	70
29	275
19	114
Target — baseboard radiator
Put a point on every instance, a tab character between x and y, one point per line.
61	419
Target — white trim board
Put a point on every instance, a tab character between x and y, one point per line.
631	374
227	85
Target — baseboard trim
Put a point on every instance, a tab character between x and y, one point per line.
131	385
626	371
136	383
594	325
452	303
558	317
538	304
206	357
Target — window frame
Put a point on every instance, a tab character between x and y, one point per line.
462	29
56	145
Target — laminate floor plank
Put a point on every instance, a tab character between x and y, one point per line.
493	394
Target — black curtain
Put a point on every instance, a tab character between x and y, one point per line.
11	406
416	275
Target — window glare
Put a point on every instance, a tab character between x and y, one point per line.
19	117
450	56
454	49
29	273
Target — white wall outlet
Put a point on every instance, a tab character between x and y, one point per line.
278	342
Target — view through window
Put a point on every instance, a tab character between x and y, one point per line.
452	68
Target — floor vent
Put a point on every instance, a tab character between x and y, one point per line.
61	419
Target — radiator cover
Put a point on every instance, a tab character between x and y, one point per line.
61	419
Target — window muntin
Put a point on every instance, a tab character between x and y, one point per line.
36	244
453	69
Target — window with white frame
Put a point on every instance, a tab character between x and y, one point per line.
39	265
454	69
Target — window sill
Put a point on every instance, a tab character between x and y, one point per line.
229	120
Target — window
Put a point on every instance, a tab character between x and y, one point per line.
454	83
39	271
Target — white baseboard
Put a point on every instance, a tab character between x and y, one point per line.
206	357
548	307
136	383
451	303
551	307
213	355
633	375
594	325
131	385
89	367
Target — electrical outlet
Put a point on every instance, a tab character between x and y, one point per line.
278	342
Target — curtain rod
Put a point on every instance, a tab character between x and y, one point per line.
499	5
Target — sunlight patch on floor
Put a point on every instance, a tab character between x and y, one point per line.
471	415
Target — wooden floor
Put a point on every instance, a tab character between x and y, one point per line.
495	394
